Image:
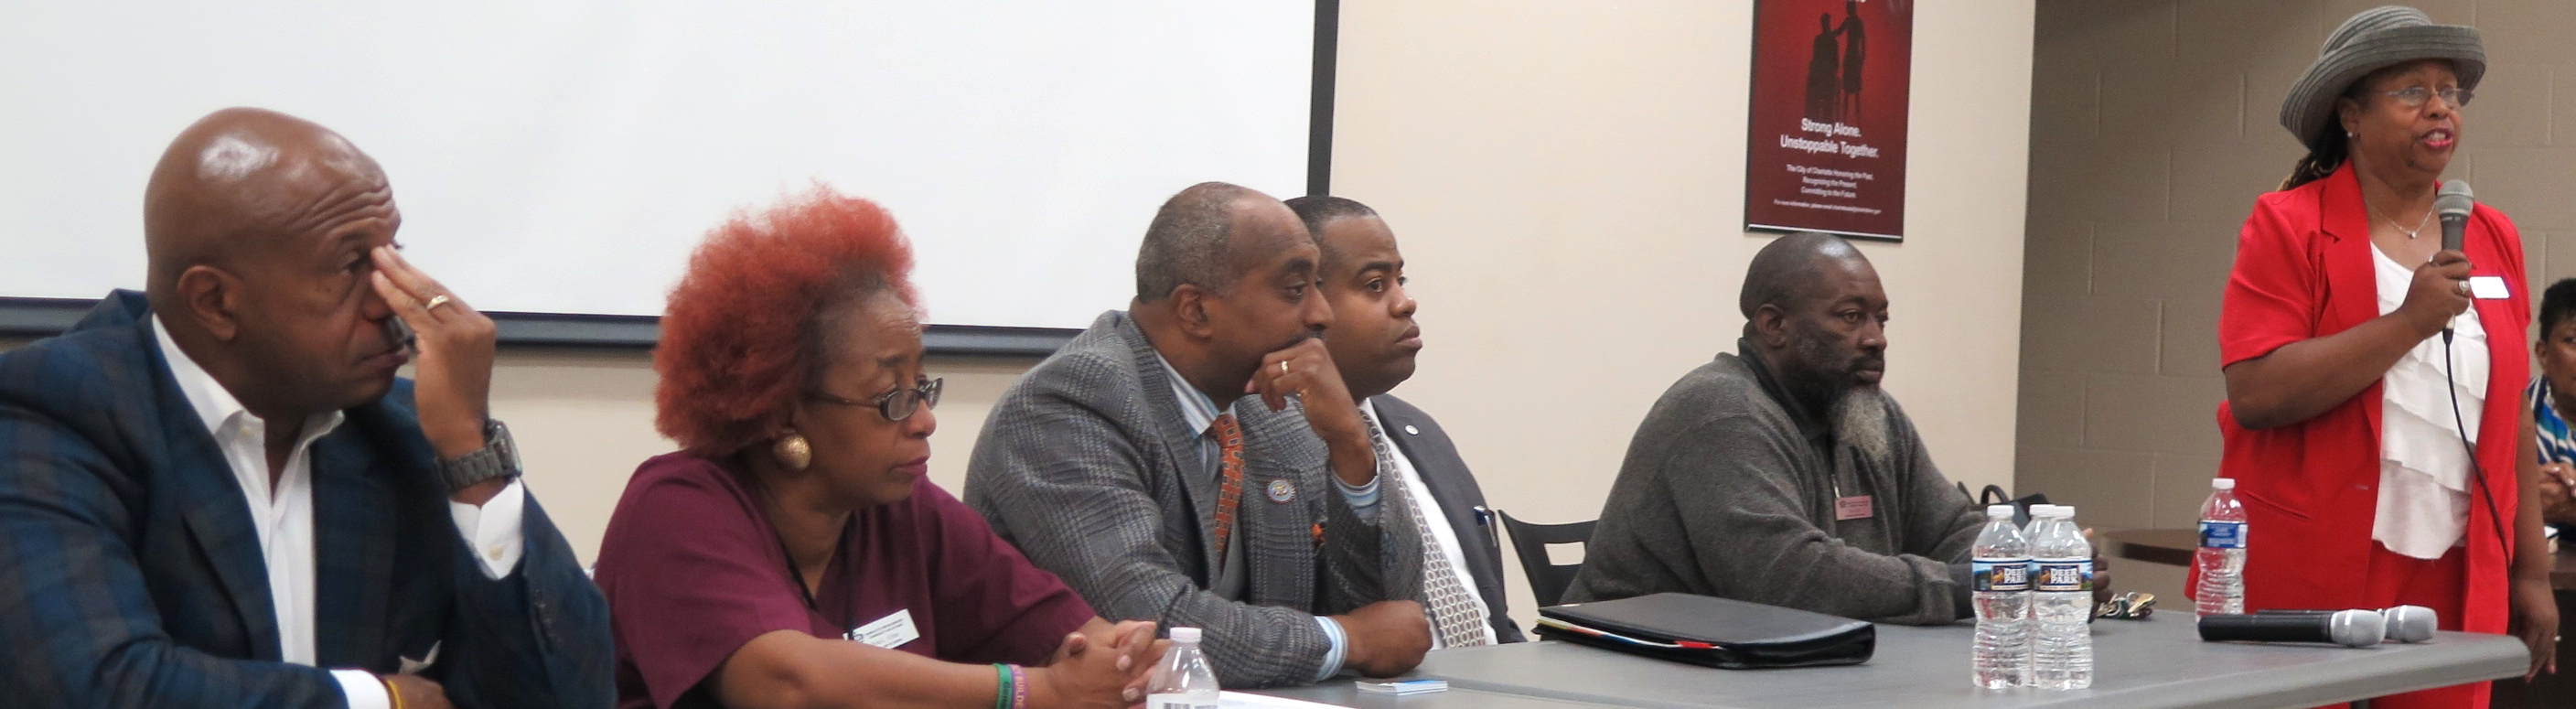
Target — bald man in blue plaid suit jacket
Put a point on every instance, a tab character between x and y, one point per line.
134	571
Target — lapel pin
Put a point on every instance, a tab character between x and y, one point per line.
1409	430
1281	491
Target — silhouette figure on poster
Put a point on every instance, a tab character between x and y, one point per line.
1823	84
1855	55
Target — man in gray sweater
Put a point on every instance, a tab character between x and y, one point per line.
1782	474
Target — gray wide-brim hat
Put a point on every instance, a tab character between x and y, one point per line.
2372	40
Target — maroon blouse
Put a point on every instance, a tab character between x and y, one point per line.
692	571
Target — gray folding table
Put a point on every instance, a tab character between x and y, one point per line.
1342	693
2153	664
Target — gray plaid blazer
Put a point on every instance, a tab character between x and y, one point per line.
1086	465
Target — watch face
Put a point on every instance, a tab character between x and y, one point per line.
504	448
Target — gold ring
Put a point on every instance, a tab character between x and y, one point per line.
2464	288
440	299
1283	366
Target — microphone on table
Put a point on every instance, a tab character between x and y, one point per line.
2453	203
2406	624
2346	628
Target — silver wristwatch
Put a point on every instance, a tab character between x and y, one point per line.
499	458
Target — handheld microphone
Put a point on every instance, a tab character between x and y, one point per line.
2454	202
2346	628
2406	624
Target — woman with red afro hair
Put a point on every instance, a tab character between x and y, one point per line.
792	553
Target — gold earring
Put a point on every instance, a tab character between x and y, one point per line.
793	451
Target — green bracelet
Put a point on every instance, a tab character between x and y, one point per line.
1002	692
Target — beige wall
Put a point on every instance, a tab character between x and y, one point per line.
1567	183
1566	179
2154	124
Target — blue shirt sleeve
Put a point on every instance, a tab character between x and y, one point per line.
1341	648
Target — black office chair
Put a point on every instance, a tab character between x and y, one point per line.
1547	578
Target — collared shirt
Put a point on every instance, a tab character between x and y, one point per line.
283	514
1200	412
1436	526
2557	439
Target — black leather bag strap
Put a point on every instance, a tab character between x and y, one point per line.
1996	495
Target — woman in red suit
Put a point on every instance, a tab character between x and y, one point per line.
2347	335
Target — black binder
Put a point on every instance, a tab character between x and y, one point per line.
1712	632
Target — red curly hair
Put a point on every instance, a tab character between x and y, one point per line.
739	338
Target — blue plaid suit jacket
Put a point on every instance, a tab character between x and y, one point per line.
131	574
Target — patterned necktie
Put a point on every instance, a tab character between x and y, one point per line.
1229	492
1453	612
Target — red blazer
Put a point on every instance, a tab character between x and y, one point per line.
2303	270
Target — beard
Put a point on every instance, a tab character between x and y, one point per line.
1824	376
1860	420
1817	385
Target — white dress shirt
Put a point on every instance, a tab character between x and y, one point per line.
283	515
1438	523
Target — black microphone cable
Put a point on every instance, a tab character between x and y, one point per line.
2451	386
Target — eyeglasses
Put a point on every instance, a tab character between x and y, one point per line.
2414	96
896	405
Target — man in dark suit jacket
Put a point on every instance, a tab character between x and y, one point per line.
1138	464
168	547
1373	341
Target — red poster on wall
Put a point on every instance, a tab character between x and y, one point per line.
1827	149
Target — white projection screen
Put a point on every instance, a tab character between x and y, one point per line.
563	156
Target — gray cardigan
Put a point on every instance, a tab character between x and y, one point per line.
1085	464
1724	493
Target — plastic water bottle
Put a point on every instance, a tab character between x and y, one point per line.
2062	596
1184	680
2222	551
2001	571
2039	521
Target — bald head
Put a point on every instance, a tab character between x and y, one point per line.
260	229
242	182
1815	314
1789	270
1192	239
1226	277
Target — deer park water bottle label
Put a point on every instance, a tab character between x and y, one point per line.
2222	535
2000	574
2061	576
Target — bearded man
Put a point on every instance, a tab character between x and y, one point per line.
1782	474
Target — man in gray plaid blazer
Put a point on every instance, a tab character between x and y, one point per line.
1197	461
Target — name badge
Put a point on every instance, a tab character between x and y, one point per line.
2488	288
1851	508
889	632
